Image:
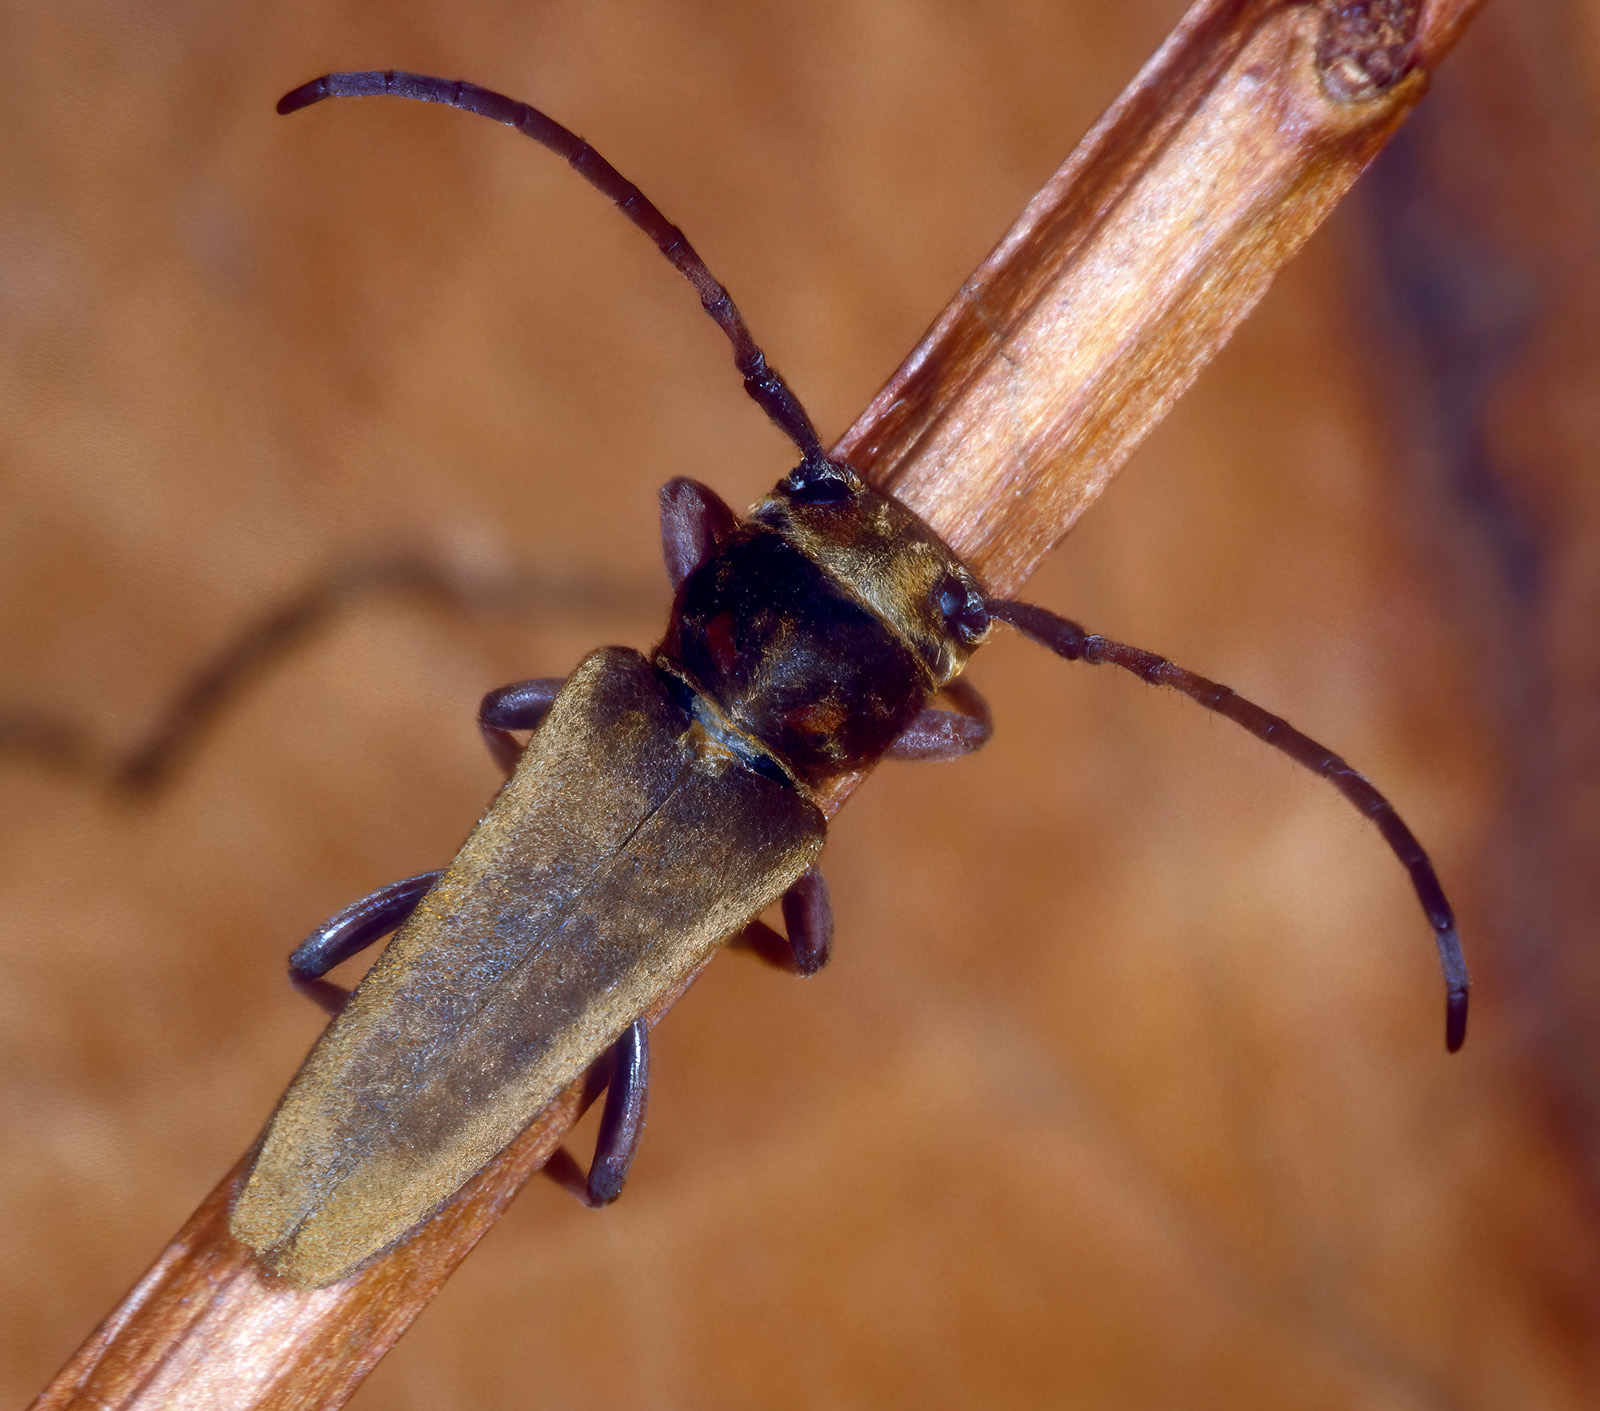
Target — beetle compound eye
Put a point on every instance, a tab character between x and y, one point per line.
820	483
962	609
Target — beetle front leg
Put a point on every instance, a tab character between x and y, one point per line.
519	706
621	1125
946	734
694	520
350	931
807	917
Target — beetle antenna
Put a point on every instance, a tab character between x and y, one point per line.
1069	640
761	379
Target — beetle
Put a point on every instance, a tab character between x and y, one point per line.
659	807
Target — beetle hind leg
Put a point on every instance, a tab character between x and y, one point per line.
808	919
621	1125
350	931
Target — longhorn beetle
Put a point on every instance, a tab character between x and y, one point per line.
660	806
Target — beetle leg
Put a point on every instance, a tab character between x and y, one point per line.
621	1125
946	734
350	931
694	520
622	1120
807	917
520	706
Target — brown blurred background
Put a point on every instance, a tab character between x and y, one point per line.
1126	1086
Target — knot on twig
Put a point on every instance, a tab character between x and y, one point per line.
1366	47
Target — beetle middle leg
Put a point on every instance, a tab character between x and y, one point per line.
350	931
519	706
808	919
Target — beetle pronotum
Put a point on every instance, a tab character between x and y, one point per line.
805	642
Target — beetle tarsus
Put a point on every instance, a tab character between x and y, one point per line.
1067	639
1457	987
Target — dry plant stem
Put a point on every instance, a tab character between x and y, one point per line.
204	1328
1125	274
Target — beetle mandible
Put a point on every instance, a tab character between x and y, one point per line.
660	806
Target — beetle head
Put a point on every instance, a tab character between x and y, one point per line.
884	556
